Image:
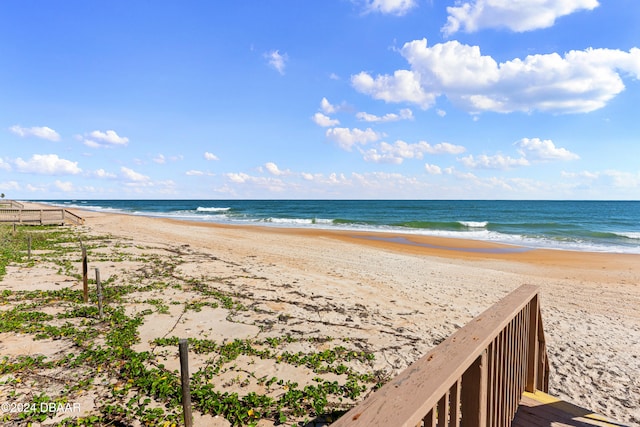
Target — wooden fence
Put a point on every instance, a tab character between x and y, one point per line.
10	204
40	216
475	377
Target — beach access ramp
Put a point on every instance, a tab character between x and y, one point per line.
16	213
493	371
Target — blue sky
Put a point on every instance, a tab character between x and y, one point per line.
424	99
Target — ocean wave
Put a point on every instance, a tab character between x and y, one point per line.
296	221
343	221
474	224
204	209
635	235
434	225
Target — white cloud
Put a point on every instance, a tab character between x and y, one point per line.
210	156
101	173
327	107
9	185
162	159
400	150
434	181
497	161
43	132
621	179
405	114
4	165
346	138
324	121
444	148
583	174
255	185
47	164
131	175
99	139
381	185
537	149
381	156
277	61
516	15
608	178
334	178
33	188
392	7
579	81
273	169
65	186
238	178
441	113
432	169
403	86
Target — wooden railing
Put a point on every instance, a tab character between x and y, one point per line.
475	377
39	216
11	204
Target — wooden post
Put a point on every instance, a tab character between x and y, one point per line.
183	346
85	279
474	393
99	290
532	353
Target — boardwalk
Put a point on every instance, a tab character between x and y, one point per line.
541	409
51	216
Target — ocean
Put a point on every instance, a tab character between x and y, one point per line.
596	226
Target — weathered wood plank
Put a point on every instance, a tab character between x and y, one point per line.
541	409
532	362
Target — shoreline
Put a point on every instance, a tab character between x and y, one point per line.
433	245
402	294
490	235
583	262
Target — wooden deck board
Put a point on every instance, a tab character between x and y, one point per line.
541	409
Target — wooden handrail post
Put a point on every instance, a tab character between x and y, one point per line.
85	279
474	393
183	347
543	361
533	354
99	292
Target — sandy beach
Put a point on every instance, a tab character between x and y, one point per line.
392	296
